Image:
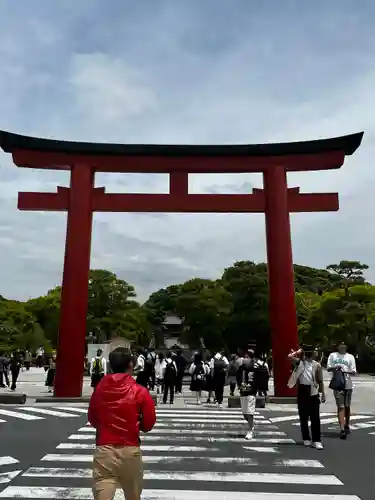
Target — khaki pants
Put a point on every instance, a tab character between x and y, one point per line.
115	467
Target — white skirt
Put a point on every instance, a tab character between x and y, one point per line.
248	405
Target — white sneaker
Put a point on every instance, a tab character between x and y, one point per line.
307	443
221	406
249	435
318	446
199	402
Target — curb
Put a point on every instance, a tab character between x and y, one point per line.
13	398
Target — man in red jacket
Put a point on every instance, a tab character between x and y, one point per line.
119	409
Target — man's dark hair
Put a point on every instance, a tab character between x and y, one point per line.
168	354
99	352
120	360
179	352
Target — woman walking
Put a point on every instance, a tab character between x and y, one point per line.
198	371
50	380
307	376
159	373
232	374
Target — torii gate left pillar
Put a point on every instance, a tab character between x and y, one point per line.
82	199
73	310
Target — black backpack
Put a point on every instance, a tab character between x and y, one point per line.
170	372
219	366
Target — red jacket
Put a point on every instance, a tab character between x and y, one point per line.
119	409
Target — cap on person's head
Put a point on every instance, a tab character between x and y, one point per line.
168	354
120	360
99	352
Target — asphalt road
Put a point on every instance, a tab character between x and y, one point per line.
195	453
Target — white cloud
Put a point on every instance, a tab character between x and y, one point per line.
173	74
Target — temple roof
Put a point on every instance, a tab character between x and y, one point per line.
348	144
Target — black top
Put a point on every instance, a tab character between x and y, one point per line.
347	143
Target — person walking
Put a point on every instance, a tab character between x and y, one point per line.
218	367
169	372
4	362
181	363
209	385
51	372
27	360
232	374
119	410
15	364
248	391
263	376
98	368
342	366
307	376
159	373
198	371
140	369
40	356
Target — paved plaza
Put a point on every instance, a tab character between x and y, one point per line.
193	452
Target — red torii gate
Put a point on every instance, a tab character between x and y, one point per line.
83	198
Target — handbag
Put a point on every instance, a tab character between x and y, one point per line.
338	381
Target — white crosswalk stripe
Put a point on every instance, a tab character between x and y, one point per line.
197	460
31	413
8	475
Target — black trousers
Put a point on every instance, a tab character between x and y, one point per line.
15	372
4	377
180	376
309	409
168	388
219	382
142	378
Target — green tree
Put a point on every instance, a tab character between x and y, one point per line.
204	306
349	272
108	300
19	328
247	284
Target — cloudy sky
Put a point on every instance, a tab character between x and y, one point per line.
185	71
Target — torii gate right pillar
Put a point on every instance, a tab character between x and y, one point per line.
283	317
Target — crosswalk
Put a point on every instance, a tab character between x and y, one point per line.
200	454
29	413
329	420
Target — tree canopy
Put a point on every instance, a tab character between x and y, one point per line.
332	304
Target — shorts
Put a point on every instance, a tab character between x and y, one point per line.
343	398
248	404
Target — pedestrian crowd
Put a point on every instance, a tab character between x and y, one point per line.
13	362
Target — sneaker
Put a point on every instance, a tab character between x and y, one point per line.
199	402
307	443
317	446
249	435
347	429
343	434
221	406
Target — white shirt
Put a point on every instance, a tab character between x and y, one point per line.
158	368
306	377
347	364
140	366
104	365
218	356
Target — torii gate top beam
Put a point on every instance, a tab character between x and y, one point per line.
293	156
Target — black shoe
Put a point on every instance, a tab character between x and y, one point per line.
343	434
347	429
